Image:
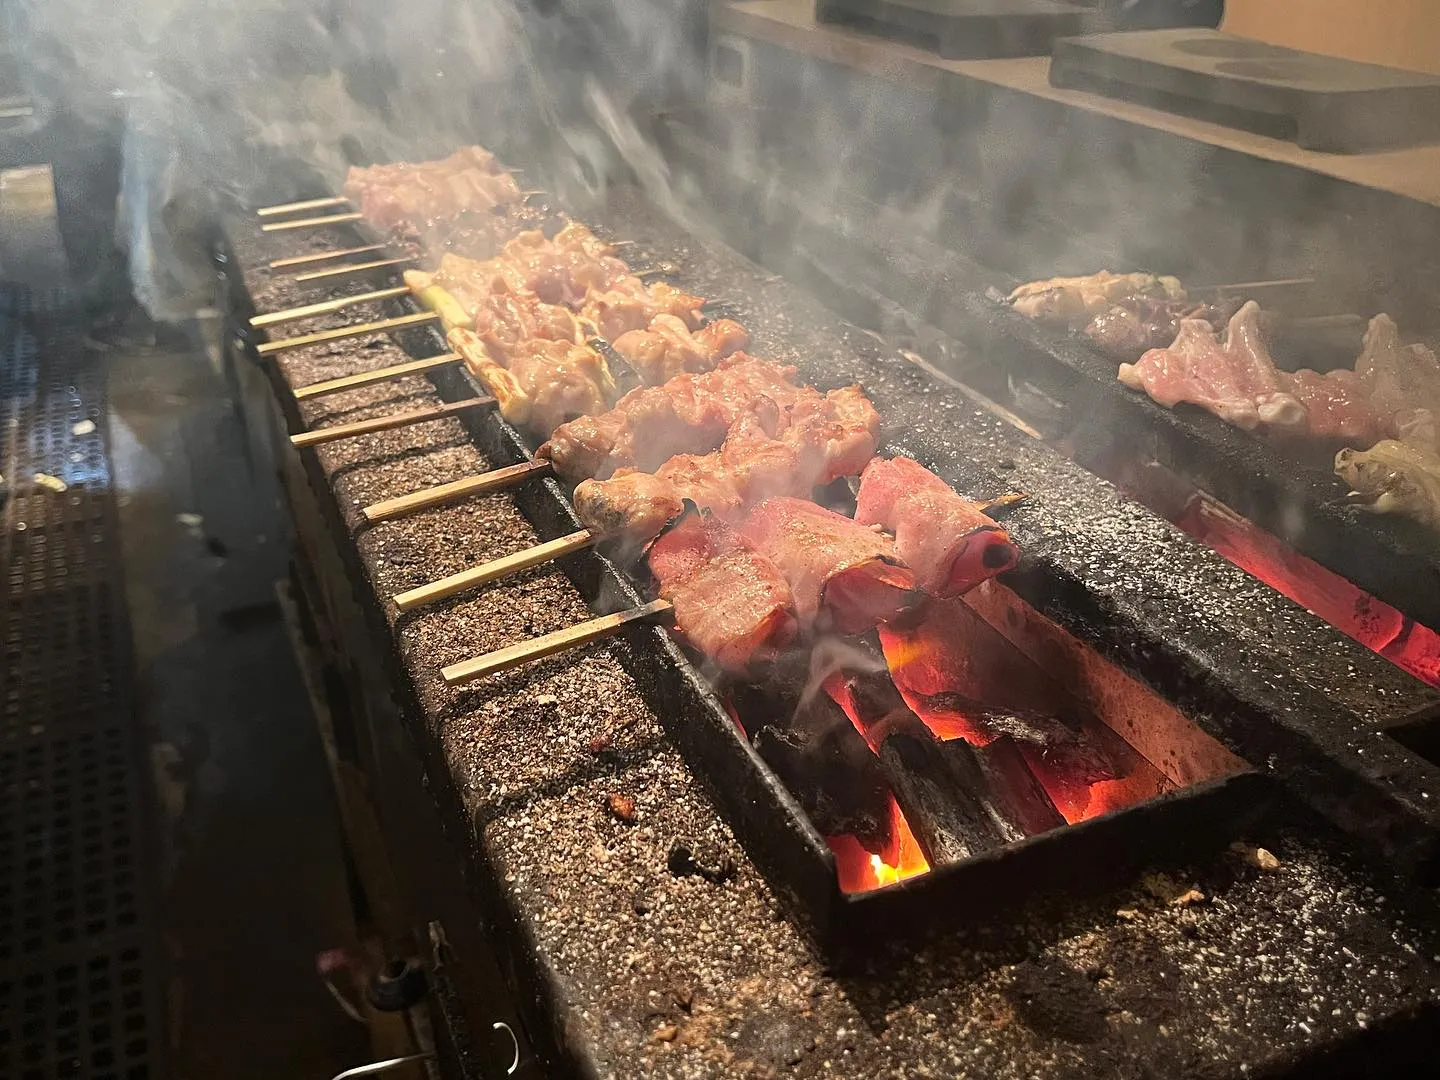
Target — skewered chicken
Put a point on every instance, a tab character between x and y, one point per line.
668	347
407	198
688	414
541	384
1076	300
845	577
766	452
629	304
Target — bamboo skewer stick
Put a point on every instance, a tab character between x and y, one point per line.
325	307
385	423
324	256
313	222
1246	286
303	204
399	322
441	494
494	570
366	378
569	638
352	268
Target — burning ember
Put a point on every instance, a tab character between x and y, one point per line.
1360	616
861	871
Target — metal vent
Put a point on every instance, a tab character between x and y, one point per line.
78	988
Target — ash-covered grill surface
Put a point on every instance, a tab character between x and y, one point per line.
660	970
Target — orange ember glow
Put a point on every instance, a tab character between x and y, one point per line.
860	871
1351	610
950	648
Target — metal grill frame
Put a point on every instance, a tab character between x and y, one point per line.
79	987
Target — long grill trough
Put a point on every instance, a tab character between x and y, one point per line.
1201	689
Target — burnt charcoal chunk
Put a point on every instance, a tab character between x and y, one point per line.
835	777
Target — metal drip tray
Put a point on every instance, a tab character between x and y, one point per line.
77	950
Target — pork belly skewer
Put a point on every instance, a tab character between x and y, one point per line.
949	541
689	414
823	438
723	597
843	577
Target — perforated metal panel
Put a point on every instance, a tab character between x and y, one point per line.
78	987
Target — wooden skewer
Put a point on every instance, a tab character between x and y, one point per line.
1246	286
312	222
303	204
325	307
324	256
352	268
440	494
569	638
399	322
385	423
366	378
494	570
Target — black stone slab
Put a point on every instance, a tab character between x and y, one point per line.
965	29
1320	102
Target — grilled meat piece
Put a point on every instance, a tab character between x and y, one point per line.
1402	378
629	304
505	320
668	347
768	450
1074	301
1339	406
731	603
688	414
409	198
1140	323
1398	476
947	540
540	384
845	576
1236	379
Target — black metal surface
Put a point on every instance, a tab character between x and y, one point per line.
79	977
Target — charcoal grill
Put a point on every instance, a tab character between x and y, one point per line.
774	830
1300	717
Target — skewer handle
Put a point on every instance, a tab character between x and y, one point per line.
441	494
351	268
312	222
569	638
366	378
400	322
325	307
303	204
493	570
324	256
385	423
